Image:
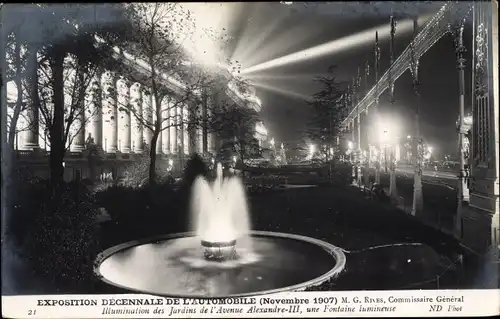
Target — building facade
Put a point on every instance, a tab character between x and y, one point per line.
105	140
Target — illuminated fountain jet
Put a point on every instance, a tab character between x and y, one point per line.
220	215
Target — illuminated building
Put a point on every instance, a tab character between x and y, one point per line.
118	135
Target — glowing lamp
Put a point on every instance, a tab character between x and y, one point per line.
312	149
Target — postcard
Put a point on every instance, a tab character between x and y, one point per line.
253	159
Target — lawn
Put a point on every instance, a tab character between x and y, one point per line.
412	255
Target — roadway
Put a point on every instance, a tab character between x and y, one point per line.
439	195
446	179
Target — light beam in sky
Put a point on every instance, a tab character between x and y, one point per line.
290	39
343	44
282	91
283	77
211	21
249	41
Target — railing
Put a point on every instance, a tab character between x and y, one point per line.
434	30
454	270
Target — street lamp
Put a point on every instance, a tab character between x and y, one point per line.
350	146
384	142
388	132
273	151
312	150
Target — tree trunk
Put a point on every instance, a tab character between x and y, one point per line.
152	156
157	127
57	147
33	69
19	102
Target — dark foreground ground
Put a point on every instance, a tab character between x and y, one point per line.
338	215
440	200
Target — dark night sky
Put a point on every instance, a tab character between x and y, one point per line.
286	116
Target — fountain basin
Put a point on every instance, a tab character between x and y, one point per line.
219	251
175	266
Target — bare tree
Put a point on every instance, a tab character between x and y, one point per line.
161	31
15	67
63	58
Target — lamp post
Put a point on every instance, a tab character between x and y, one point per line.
392	173
350	147
392	185
385	148
417	177
376	68
408	149
462	128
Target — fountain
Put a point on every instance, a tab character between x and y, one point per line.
220	215
222	257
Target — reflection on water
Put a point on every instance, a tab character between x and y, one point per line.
178	267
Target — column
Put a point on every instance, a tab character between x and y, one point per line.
479	224
147	109
173	126
191	108
185	128
156	120
180	129
31	137
124	120
180	134
352	155
366	158
199	139
165	110
358	149
113	145
206	101
110	110
32	140
137	127
96	97
78	144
